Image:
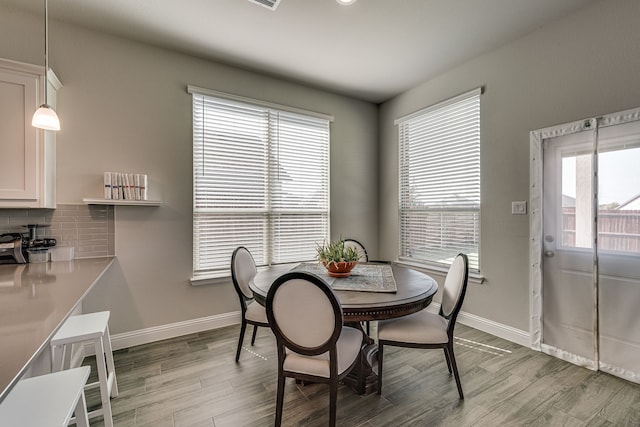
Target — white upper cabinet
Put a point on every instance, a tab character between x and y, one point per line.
27	154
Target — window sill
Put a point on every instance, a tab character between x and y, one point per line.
222	276
474	276
209	280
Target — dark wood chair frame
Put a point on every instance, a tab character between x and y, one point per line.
283	342
244	302
448	346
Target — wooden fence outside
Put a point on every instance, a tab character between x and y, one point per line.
618	230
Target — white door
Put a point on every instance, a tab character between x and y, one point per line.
568	290
590	276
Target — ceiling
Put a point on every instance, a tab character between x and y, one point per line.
371	50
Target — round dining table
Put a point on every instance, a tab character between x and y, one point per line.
414	292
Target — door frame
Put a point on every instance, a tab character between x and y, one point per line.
536	176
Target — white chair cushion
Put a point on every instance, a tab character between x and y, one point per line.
245	270
422	327
311	320
348	348
256	313
453	285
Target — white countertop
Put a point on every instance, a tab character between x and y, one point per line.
34	301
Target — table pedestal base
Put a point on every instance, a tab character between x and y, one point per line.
362	378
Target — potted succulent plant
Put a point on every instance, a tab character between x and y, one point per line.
338	259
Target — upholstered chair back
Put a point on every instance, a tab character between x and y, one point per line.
454	286
351	243
243	269
304	313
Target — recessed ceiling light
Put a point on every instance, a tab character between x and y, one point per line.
345	2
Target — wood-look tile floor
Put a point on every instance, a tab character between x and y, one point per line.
194	381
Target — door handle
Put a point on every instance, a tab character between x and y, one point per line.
549	254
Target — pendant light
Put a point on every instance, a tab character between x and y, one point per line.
45	117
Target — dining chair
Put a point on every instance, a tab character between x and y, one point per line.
352	243
243	270
430	330
313	345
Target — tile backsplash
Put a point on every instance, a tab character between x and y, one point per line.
88	228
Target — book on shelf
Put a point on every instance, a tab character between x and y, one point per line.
125	186
143	186
108	194
127	181
115	186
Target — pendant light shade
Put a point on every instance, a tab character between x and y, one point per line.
45	117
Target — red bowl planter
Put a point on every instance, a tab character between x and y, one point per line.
339	269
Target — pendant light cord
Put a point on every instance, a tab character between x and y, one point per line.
46	49
45	117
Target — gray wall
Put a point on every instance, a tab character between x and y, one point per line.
124	107
581	66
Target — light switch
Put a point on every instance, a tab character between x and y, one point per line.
519	208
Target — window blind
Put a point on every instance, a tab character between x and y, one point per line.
261	180
440	182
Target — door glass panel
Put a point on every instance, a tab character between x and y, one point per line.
619	201
577	204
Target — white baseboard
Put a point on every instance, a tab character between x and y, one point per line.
499	330
158	333
173	330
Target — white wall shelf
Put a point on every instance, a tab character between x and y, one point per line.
119	202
